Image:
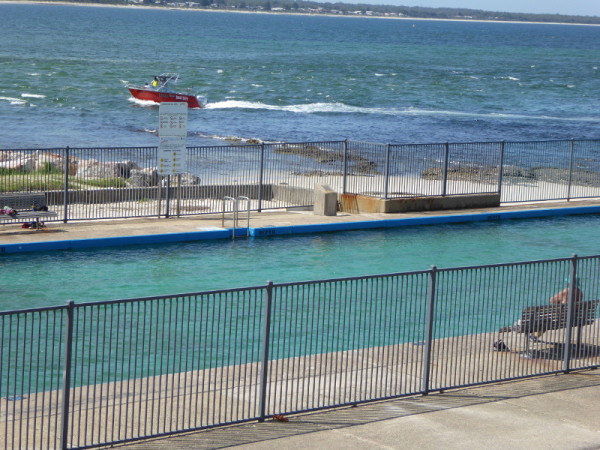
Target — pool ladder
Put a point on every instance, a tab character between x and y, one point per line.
236	213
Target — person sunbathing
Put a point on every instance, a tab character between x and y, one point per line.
562	297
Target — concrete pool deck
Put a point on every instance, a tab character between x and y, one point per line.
552	412
113	232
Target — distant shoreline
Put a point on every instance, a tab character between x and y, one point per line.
105	5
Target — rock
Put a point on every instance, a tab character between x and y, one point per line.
562	176
143	177
517	172
187	179
54	162
20	161
92	168
464	172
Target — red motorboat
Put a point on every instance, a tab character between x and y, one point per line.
159	91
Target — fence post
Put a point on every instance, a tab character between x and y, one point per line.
66	189
261	175
345	180
445	174
570	314
178	197
264	372
501	170
66	386
571	158
426	369
386	180
168	198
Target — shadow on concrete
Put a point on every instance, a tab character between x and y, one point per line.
556	352
252	433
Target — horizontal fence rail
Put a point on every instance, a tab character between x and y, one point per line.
85	375
103	183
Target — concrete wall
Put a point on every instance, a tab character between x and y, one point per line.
292	195
353	203
107	195
322	197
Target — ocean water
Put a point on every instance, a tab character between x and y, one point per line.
292	78
139	271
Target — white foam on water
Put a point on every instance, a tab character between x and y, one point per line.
27	95
139	102
308	108
14	101
341	108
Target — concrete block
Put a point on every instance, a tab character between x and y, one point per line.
325	201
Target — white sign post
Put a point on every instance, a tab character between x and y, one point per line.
172	132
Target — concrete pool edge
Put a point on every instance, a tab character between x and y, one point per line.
78	244
282	230
429	220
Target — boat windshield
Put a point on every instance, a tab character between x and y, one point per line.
161	82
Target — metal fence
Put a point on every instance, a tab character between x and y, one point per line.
101	183
94	374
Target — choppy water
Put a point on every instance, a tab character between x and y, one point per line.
292	78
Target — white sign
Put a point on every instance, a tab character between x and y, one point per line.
172	132
171	155
172	119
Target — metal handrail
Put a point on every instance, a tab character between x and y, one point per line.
226	199
241	198
235	210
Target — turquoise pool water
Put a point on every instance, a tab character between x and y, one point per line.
51	278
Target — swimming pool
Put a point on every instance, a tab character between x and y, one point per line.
52	278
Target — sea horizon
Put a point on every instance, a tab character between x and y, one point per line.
364	16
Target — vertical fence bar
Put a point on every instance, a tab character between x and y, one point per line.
261	176
429	331
570	314
445	173
264	374
501	170
158	198
168	198
386	181
66	189
178	198
66	388
571	159
345	180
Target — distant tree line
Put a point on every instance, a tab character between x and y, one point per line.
301	6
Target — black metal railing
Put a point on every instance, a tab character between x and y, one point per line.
85	375
102	183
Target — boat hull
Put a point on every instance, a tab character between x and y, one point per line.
159	97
